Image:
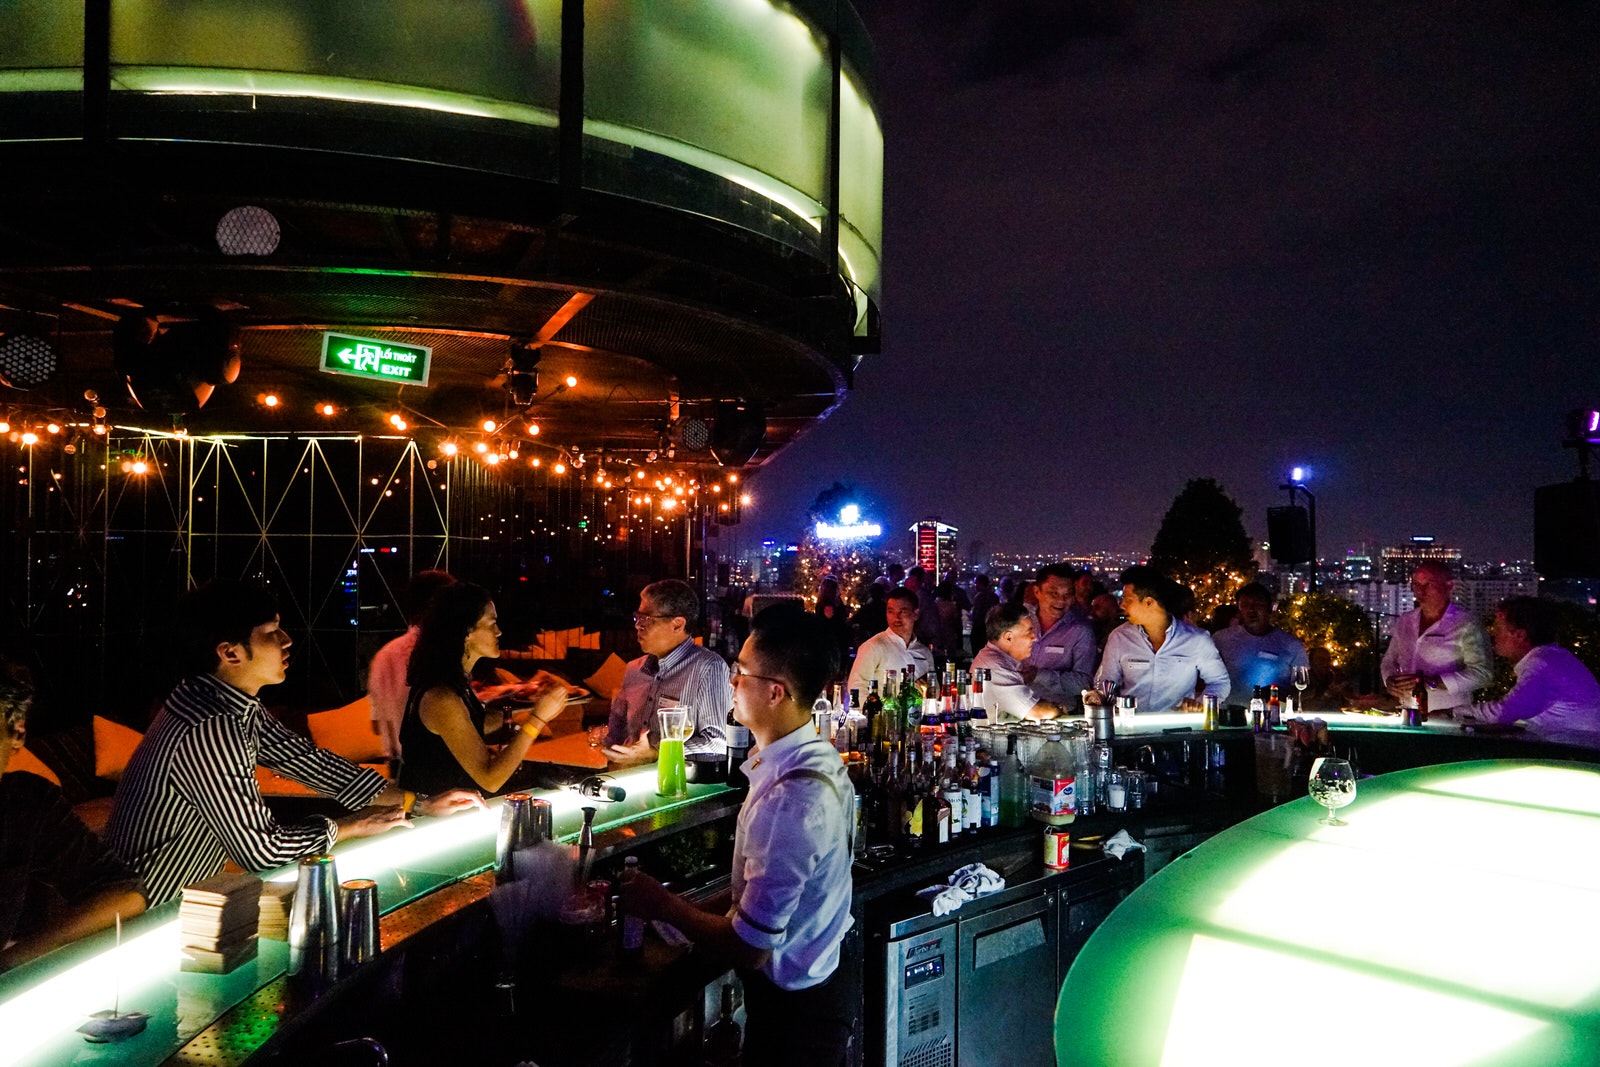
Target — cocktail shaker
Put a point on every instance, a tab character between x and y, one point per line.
358	904
524	822
314	919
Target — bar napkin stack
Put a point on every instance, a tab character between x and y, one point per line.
218	919
276	900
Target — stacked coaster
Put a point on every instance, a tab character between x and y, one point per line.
276	900
218	919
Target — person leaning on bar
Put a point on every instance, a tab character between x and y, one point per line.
188	799
387	688
442	734
1155	656
1011	638
673	671
57	880
789	906
1555	693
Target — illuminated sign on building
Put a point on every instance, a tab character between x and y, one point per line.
849	527
935	544
366	357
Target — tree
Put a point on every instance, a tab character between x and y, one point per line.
853	562
1338	625
1202	544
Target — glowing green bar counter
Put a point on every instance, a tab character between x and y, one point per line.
1455	920
43	1003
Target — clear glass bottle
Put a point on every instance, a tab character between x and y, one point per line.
723	1037
1014	786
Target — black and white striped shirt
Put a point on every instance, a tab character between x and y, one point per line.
188	799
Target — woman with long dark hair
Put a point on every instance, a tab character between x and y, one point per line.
442	734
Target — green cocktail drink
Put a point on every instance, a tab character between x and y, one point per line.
672	777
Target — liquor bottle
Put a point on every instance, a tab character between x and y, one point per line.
1053	777
935	809
991	793
856	768
723	1037
1258	711
1274	709
973	772
738	750
915	796
873	709
1013	787
632	925
910	697
975	700
843	739
950	789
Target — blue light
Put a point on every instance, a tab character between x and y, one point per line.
1299	475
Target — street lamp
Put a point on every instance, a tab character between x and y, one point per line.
1298	476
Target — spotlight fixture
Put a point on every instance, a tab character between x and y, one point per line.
522	373
27	361
175	366
248	231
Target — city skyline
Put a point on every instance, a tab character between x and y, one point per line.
1126	247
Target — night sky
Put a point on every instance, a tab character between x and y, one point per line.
1127	246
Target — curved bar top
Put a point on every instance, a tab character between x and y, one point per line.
1451	922
42	1003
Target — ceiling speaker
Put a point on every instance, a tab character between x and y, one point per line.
738	430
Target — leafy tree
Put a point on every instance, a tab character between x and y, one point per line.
1202	544
1342	627
853	563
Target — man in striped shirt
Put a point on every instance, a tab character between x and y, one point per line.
188	799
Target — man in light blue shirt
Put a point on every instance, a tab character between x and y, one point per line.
673	672
1255	651
1156	657
1062	662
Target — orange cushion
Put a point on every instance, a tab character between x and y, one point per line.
347	731
606	681
113	746
23	760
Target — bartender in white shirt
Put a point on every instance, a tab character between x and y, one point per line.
1010	633
1156	657
1439	645
895	648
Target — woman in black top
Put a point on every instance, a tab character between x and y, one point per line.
442	734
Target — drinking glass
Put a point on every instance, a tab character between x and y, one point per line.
1302	679
1333	785
672	777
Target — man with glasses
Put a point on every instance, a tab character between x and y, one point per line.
673	671
785	916
1438	646
894	649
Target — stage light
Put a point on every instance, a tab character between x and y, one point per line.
175	367
327	409
695	433
27	361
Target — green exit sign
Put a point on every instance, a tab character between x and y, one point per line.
366	357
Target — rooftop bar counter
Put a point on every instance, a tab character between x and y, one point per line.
1452	921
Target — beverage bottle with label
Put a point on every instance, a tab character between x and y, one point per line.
1014	787
935	810
950	790
738	749
991	793
1053	777
1258	710
972	788
1274	708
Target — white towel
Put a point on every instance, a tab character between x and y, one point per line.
968	883
1121	843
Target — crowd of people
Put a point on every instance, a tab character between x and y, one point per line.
189	802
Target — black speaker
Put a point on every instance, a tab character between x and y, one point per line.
1289	534
738	430
175	367
1566	530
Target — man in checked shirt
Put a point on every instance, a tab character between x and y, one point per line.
188	799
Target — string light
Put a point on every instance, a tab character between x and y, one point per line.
489	425
54	427
327	409
572	382
449	448
269	400
480	448
29	437
560	468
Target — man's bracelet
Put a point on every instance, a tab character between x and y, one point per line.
533	727
410	800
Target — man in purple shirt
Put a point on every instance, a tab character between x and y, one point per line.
1062	663
1555	692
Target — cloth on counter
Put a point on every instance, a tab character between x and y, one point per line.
967	883
1120	844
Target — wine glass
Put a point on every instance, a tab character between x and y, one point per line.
1333	785
1302	680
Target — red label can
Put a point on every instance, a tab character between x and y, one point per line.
1057	847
